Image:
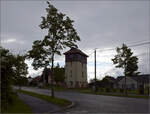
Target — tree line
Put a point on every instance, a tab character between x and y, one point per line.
13	71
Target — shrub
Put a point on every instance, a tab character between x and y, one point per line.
101	90
121	90
114	90
107	89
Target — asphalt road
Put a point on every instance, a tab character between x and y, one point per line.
86	103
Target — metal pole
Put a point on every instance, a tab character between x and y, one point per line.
95	71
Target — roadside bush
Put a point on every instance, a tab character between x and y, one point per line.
108	90
101	89
146	91
121	90
114	90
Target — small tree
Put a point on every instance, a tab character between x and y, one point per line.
61	34
59	74
125	59
12	68
20	69
7	73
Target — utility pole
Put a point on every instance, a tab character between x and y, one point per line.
95	70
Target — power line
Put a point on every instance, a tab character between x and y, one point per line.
110	49
134	45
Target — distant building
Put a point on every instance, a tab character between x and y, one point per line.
75	68
133	82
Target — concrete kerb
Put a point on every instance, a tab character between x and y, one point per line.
63	109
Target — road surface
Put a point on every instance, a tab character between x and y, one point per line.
87	103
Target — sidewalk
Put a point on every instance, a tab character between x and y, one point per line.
38	105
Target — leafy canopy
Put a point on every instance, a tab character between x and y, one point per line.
61	34
59	73
125	59
12	68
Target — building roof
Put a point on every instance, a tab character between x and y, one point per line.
75	51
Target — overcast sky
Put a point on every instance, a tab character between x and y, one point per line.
100	24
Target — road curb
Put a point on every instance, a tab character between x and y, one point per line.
63	109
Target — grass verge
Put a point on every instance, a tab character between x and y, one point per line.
18	106
58	101
113	94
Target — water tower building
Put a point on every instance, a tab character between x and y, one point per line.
75	68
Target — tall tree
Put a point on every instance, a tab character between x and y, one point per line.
61	34
125	59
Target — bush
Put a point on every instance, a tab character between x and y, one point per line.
146	91
107	89
101	90
121	90
114	90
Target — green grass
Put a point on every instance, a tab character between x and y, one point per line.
58	101
114	94
56	88
18	106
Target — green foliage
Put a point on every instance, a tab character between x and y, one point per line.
107	90
59	74
107	82
61	34
58	101
101	89
125	59
114	90
39	55
20	69
21	81
17	106
7	73
10	70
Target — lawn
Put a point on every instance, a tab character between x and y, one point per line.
18	106
131	95
58	101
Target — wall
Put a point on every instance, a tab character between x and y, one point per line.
76	76
129	82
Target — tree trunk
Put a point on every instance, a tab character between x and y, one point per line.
52	78
44	73
125	85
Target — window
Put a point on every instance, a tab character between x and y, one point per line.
82	74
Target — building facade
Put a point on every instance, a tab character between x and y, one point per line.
75	68
133	82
